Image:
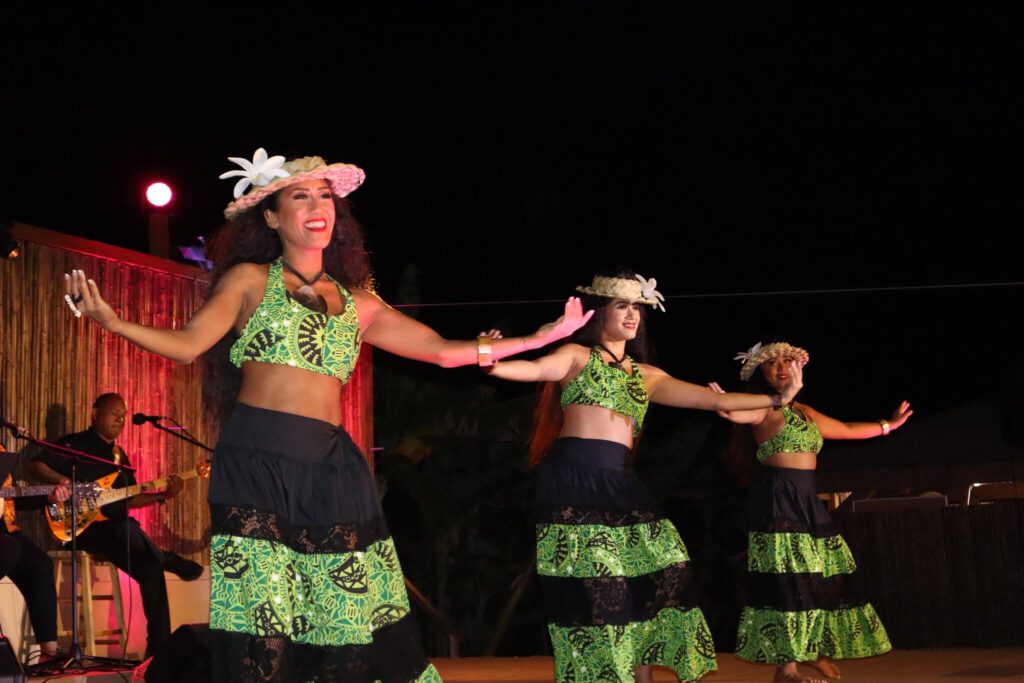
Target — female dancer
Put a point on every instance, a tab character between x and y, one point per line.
614	573
801	606
305	584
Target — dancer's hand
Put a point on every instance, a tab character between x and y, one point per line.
713	386
571	320
900	415
86	295
796	382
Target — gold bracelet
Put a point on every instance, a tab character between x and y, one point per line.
885	427
483	352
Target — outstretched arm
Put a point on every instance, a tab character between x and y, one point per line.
561	363
211	322
667	390
386	328
740	417
832	428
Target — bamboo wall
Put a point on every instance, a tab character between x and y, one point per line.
52	366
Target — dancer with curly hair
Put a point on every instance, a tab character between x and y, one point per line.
305	582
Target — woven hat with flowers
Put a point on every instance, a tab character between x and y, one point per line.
759	353
266	175
633	290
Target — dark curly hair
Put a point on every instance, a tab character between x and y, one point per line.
247	238
547	422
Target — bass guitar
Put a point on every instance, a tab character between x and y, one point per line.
59	516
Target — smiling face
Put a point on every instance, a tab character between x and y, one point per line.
621	320
304	217
776	371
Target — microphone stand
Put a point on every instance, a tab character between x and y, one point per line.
76	658
179	432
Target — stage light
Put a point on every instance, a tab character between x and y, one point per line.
159	194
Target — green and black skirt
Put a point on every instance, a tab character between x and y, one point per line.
803	599
305	582
615	576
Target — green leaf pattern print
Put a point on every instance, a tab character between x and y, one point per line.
773	637
583	550
794	552
265	588
675	638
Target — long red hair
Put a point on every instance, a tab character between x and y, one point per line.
547	422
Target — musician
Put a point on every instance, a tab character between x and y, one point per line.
120	539
28	565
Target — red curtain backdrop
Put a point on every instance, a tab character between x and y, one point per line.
53	365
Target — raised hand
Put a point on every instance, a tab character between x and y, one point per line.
796	382
85	296
900	415
571	320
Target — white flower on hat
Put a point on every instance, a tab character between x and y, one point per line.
749	353
648	291
258	172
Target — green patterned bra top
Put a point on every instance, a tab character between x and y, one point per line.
284	332
599	384
796	436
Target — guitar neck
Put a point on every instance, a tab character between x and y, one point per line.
23	491
114	495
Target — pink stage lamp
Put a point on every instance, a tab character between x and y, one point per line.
159	194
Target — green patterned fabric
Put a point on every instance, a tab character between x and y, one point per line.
794	553
592	550
598	384
265	588
284	332
773	637
678	639
796	436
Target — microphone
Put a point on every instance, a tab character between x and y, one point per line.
142	418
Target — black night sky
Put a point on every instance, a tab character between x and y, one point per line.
512	150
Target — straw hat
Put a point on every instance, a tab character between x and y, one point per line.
268	175
759	353
636	290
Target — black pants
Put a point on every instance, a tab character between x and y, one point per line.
119	540
32	572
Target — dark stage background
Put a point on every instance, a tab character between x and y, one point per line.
511	150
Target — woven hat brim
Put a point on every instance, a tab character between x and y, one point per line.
344	179
748	368
606	295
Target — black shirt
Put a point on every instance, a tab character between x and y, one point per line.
91	443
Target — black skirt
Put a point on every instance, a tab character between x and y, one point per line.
803	598
305	582
614	574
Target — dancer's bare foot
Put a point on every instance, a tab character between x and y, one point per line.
790	674
642	674
827	667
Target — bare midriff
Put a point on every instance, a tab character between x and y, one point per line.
796	461
595	422
291	390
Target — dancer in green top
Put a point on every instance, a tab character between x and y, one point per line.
305	584
802	603
615	575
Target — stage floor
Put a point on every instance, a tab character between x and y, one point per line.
905	666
